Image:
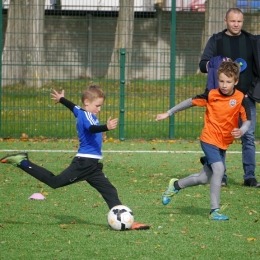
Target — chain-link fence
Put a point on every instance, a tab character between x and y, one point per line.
143	53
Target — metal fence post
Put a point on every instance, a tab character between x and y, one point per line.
1	49
122	94
172	67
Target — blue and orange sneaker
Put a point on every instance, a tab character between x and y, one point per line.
216	215
171	191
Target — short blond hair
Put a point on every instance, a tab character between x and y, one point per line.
92	92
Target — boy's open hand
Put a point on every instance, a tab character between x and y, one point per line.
112	123
56	96
162	116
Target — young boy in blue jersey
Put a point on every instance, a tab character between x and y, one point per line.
85	166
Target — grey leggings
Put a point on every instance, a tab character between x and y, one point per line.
214	175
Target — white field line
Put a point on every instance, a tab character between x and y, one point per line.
115	151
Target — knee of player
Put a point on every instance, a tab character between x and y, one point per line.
204	181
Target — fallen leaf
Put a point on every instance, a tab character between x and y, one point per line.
251	239
63	226
237	235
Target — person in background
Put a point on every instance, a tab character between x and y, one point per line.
235	43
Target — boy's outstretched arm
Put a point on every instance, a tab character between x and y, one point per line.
56	96
59	98
181	106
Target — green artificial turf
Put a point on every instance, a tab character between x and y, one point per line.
71	223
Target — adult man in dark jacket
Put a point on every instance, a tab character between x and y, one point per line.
235	43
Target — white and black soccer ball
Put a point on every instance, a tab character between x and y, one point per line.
120	218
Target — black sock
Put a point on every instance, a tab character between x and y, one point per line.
176	185
212	210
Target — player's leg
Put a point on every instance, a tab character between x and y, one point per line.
215	188
68	176
100	182
77	171
21	160
215	184
196	179
192	180
216	162
204	160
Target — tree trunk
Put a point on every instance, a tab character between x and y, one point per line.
23	52
123	39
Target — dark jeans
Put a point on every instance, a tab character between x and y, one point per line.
248	145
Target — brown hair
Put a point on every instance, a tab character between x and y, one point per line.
235	10
92	92
230	69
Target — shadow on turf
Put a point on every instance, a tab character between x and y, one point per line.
62	220
186	210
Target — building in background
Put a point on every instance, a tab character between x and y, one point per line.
140	5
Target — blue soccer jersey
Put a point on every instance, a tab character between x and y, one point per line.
90	143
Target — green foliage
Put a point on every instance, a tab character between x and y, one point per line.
71	223
31	110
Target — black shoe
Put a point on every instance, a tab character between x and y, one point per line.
203	160
224	182
252	182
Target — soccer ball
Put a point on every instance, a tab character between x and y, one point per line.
120	218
